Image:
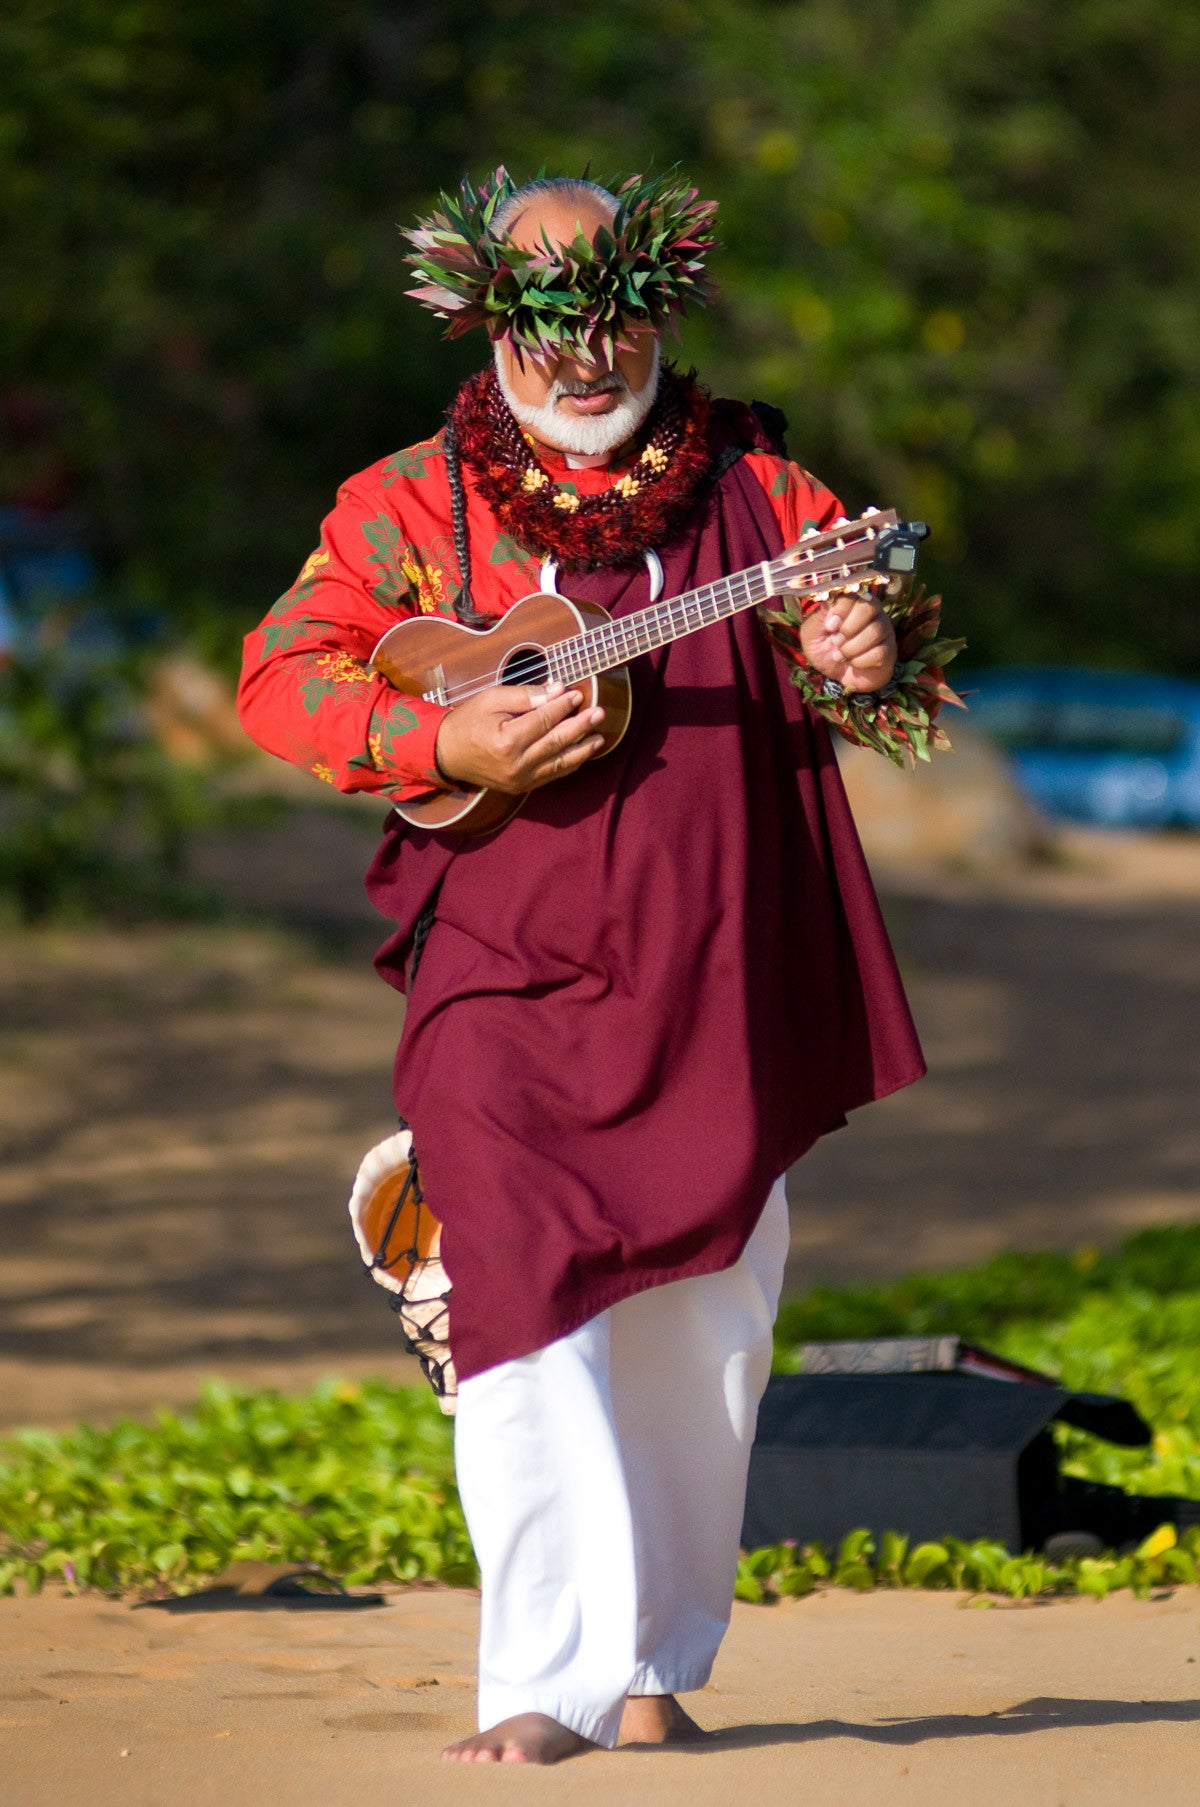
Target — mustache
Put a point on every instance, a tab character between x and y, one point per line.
613	384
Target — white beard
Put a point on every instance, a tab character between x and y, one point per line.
584	435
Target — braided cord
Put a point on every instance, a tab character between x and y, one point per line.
464	607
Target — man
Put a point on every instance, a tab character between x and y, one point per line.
650	993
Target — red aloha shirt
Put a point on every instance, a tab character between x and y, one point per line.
386	552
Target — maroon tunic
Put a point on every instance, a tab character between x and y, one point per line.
652	991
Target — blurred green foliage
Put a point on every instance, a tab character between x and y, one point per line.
982	1302
357	1479
94	818
960	251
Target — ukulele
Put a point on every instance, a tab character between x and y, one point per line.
547	638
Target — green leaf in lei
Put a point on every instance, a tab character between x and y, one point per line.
411	462
902	727
384	535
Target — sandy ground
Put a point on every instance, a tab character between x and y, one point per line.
832	1701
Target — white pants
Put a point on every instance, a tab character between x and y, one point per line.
603	1480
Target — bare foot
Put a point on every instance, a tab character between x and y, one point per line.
525	1738
658	1719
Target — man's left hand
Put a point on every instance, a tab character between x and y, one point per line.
851	639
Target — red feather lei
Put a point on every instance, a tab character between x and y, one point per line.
588	533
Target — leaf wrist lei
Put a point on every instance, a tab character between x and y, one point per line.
645	507
900	719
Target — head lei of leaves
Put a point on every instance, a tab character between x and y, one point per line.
583	298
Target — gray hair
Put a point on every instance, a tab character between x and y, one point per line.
570	188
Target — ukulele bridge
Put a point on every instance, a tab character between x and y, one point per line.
435	678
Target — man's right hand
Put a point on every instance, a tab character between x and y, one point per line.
513	738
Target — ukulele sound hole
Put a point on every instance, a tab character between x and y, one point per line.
525	665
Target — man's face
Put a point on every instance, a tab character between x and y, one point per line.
565	388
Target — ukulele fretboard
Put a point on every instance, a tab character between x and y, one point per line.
602	648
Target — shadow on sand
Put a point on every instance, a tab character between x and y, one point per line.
1045	1713
266	1587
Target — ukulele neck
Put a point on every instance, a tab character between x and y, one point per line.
618	641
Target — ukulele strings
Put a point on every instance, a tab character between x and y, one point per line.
535	665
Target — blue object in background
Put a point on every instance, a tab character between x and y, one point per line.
8	625
1118	750
52	596
43	566
41	555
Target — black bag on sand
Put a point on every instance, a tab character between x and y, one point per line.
933	1437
